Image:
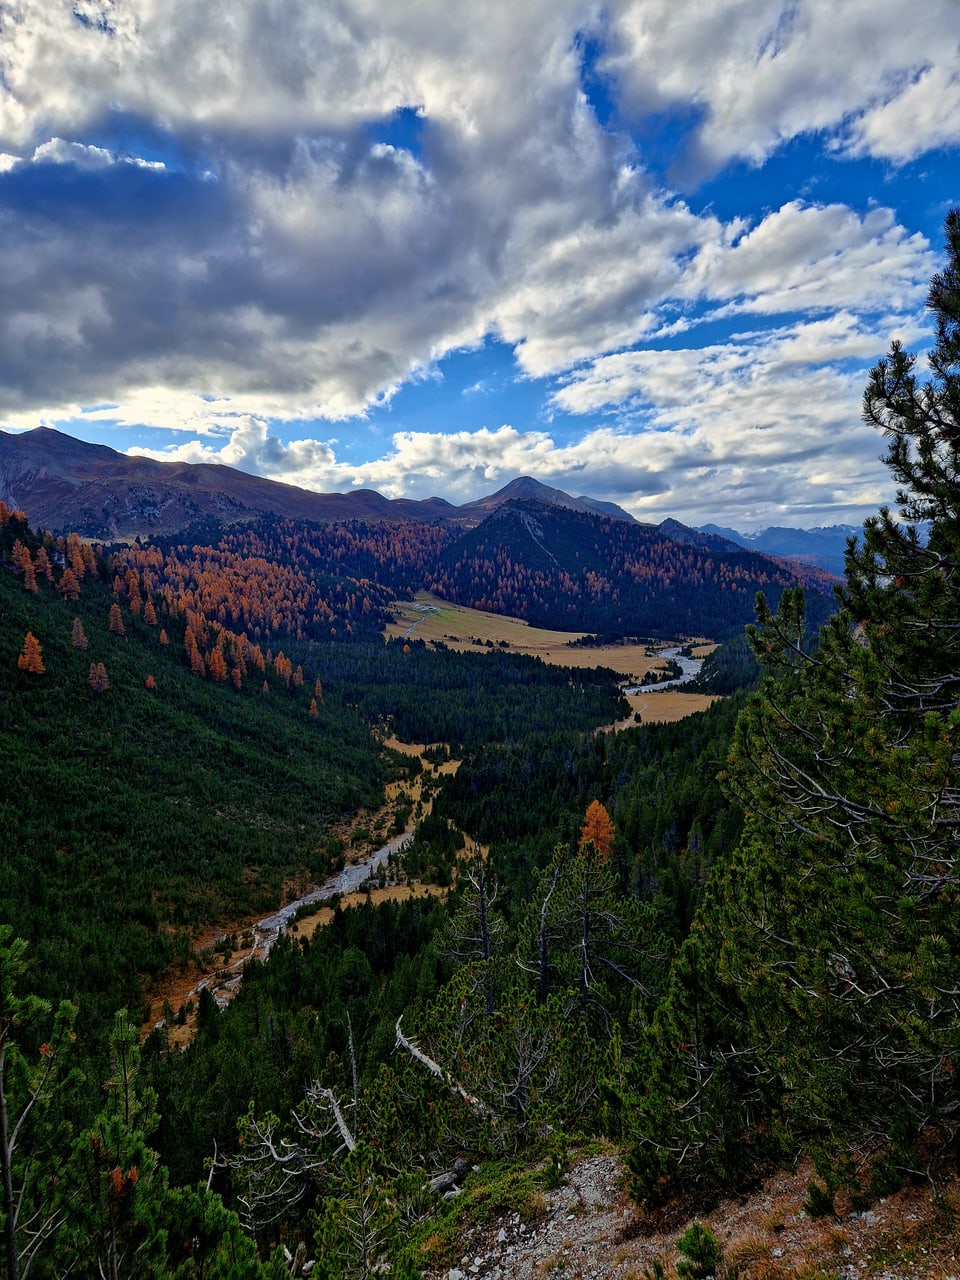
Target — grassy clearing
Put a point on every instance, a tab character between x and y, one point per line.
431	619
665	707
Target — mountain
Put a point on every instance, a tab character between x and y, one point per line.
66	485
578	571
526	489
824	546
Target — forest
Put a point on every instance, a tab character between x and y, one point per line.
716	943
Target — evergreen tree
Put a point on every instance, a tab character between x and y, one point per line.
35	1191
838	916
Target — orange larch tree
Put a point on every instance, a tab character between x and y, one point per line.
116	621
97	679
216	664
597	830
68	586
24	564
30	658
78	637
42	565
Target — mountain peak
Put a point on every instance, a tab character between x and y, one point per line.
526	489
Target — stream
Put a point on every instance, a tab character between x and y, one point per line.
224	982
689	667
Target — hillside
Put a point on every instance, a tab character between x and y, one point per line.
580	571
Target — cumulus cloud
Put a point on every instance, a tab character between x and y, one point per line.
754	73
223	220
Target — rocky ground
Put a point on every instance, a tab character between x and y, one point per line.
588	1227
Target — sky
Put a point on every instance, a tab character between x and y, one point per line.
642	251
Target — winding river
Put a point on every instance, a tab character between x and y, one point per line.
689	668
224	981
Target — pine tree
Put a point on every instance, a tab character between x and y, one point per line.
34	1189
840	913
78	637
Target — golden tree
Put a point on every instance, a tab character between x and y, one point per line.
597	830
68	586
97	679
30	658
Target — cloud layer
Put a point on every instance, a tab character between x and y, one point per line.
252	222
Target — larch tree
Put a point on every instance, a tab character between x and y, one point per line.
78	637
68	586
597	829
115	622
31	656
98	679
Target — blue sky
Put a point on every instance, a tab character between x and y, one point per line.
642	251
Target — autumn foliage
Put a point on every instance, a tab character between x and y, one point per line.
97	679
597	830
30	659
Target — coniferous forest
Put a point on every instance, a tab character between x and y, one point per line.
717	943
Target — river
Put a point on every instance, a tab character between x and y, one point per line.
689	667
224	982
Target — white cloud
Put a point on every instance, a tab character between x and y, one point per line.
291	259
755	73
806	257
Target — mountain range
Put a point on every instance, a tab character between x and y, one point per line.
67	485
824	546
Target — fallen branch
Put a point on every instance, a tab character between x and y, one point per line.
435	1069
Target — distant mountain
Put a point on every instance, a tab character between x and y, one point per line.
66	485
705	538
824	547
526	489
528	549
